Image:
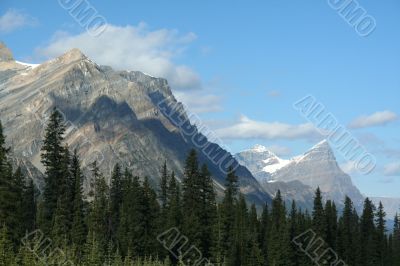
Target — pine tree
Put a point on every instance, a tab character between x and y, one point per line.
318	214
381	243
29	206
149	209
278	248
227	209
207	213
264	233
164	186
7	206
396	240
6	248
174	218
116	195
15	221
191	202
98	222
52	156
92	251
368	244
78	228
331	224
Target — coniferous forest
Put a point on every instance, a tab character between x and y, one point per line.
127	221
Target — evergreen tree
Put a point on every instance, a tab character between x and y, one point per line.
6	248
396	240
331	224
78	228
92	251
52	156
174	218
207	213
99	216
7	195
348	233
278	248
149	209
318	214
381	240
116	196
15	222
164	186
29	206
264	233
191	202
368	245
227	209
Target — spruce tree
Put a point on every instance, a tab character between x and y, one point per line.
368	244
78	228
318	214
98	222
264	233
331	224
381	240
6	248
116	195
7	195
29	206
279	245
227	209
207	213
52	156
164	186
396	240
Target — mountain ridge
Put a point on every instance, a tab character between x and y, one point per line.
317	167
112	116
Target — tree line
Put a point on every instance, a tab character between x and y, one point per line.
121	222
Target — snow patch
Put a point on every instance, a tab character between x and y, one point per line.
274	164
27	64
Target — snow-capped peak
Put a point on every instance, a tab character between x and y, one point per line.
322	144
259	148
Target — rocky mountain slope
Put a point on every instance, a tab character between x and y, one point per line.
315	168
112	116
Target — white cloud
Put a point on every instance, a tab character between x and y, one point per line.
14	19
392	169
132	48
200	101
246	128
375	119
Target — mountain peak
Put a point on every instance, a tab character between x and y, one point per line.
259	148
322	144
5	53
73	55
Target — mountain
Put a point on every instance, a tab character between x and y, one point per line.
315	168
113	116
391	205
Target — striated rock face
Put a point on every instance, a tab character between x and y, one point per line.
315	168
112	116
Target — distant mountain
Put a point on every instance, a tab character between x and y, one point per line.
315	168
391	205
112	116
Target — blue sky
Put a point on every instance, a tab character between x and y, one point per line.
241	65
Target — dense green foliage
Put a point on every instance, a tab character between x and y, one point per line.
127	222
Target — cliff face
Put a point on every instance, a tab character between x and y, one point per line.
112	116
